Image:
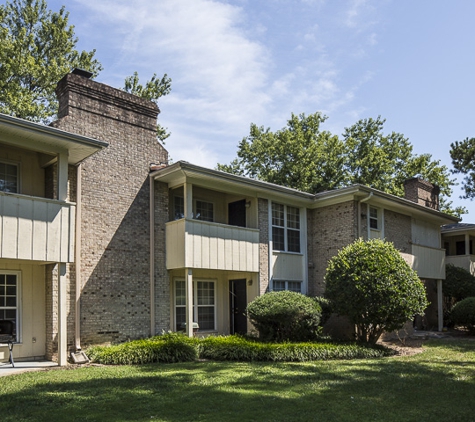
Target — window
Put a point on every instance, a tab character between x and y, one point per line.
285	228
204	211
373	218
178	207
204	308
9	291
9	178
293	286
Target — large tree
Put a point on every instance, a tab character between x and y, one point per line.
304	157
37	48
463	160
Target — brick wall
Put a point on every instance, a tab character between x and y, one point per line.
397	229
115	300
162	280
263	224
329	229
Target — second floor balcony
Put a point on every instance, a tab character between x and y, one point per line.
428	262
34	228
207	245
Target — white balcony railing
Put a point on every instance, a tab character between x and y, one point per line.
34	228
428	262
464	261
200	244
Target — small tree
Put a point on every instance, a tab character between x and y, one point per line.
371	284
285	315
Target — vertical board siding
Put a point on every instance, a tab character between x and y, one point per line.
36	229
429	262
198	244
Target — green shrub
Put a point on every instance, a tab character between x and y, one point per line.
459	283
171	348
463	313
370	283
285	316
326	306
166	348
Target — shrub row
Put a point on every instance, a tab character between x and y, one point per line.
173	347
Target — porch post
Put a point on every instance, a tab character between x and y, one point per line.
467	244
62	316
188	200
189	302
440	310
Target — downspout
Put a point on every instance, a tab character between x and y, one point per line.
152	256
77	318
358	221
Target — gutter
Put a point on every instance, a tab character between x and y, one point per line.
358	217
152	255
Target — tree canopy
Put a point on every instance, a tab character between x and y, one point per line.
463	160
37	48
304	157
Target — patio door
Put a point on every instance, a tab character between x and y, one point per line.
237	306
237	213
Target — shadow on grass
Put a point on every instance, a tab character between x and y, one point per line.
421	388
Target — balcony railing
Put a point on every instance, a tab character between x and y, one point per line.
464	261
200	244
428	262
34	228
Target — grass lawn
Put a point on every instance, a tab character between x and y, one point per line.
436	385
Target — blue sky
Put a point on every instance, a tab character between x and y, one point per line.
241	61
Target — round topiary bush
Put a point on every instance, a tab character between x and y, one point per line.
463	313
371	284
285	316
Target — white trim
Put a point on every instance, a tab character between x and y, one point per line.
195	305
19	301
18	171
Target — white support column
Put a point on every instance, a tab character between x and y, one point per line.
62	316
189	301
467	244
188	200
62	176
440	310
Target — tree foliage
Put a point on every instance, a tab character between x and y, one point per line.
285	316
463	160
152	91
37	48
371	284
304	157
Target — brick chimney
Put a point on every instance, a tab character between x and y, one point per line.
114	275
422	192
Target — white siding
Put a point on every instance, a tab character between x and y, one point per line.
36	229
199	244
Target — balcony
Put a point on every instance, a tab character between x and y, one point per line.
205	245
34	228
464	261
428	262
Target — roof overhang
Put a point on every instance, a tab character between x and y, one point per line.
46	139
183	172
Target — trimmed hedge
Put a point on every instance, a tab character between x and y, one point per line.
166	348
463	313
174	347
285	316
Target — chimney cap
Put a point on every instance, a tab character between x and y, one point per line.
82	72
